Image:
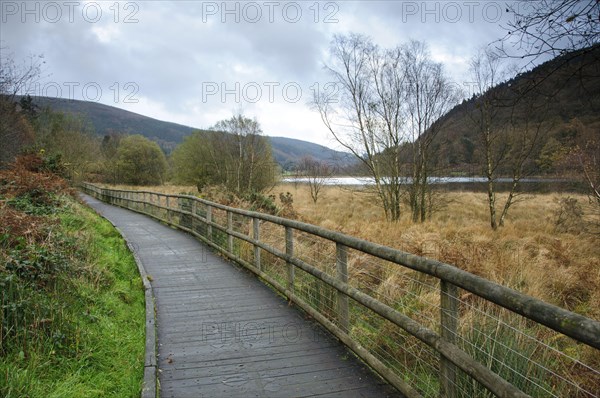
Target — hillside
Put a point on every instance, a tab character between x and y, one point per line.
108	119
288	151
566	90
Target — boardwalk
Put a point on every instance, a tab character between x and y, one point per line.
222	333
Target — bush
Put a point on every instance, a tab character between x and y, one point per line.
287	202
262	203
569	216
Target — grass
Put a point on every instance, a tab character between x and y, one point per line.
72	304
459	234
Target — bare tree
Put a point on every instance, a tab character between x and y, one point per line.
509	120
16	131
582	160
528	122
545	29
430	96
389	100
368	116
551	27
17	79
237	155
316	174
487	71
569	29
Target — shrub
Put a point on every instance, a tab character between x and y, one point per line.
569	216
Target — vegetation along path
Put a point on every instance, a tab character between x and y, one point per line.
222	333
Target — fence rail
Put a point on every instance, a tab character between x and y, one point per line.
427	327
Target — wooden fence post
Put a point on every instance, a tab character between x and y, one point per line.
168	210
229	230
289	250
208	222
194	213
256	236
449	314
342	275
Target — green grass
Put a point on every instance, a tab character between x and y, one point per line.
75	327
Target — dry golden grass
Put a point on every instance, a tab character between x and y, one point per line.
526	254
166	188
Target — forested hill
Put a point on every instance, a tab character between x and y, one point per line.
106	119
567	91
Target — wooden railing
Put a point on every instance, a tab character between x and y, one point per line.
290	256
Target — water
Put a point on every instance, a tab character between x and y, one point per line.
458	183
407	180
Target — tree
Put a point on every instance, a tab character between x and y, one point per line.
487	71
569	29
109	149
508	120
368	118
16	132
538	30
316	174
430	96
233	153
527	123
68	141
551	27
583	158
16	79
388	98
193	160
140	161
28	107
250	166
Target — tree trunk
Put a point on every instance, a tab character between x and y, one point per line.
423	193
489	173
492	204
509	201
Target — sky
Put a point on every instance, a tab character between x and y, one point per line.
198	62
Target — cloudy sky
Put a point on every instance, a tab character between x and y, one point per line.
196	63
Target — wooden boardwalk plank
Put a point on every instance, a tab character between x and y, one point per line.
223	333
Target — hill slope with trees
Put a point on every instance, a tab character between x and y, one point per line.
569	87
105	120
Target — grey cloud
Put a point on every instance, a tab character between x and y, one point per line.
174	48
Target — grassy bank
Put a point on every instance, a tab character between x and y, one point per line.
72	304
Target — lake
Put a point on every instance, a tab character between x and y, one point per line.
460	183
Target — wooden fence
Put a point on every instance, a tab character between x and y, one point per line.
452	353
